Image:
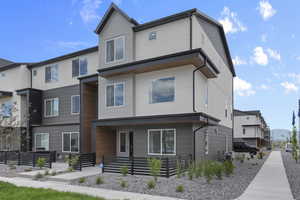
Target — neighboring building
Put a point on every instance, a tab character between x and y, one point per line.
164	88
252	128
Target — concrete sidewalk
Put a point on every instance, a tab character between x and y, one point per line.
96	192
270	183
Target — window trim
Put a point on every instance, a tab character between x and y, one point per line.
105	53
73	113
45	105
114	84
151	89
51	80
79	70
41	134
161	130
62	142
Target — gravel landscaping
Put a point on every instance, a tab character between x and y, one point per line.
196	189
293	173
12	171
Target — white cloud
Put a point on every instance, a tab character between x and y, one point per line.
264	87
289	87
298	57
260	57
242	87
230	22
71	44
264	37
88	11
238	61
266	10
294	76
274	54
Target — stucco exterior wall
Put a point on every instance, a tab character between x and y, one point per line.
244	121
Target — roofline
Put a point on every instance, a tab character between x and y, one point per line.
13	65
66	56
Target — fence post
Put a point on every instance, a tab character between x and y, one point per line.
50	160
132	165
80	162
167	166
33	159
102	164
5	157
19	158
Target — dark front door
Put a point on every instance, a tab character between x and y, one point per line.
131	144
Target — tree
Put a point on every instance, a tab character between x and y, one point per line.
294	144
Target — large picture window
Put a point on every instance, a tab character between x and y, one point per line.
51	73
163	90
115	49
51	107
79	67
115	94
75	104
161	142
42	142
70	141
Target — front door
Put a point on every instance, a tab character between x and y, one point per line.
123	144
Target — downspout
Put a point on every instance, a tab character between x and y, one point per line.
191	31
194	73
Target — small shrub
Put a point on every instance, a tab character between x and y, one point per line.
38	176
70	169
260	155
12	167
191	171
28	169
179	170
123	184
99	181
218	167
154	165
151	184
240	157
53	173
46	172
208	171
72	161
81	180
228	167
41	162
124	170
180	188
198	170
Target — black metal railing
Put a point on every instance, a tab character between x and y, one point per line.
140	165
25	158
84	160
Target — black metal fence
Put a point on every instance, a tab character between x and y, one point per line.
25	158
140	165
84	160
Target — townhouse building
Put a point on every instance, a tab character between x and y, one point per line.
162	88
251	127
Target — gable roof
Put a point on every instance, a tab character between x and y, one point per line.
4	62
113	7
139	27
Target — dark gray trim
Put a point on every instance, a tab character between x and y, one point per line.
5	93
250	125
57	124
113	7
11	66
25	90
191	32
129	67
4	62
90	78
157	119
66	56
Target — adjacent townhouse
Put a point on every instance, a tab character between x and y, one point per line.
251	127
163	88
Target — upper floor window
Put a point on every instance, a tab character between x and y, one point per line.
115	94
163	90
2	74
115	49
75	103
34	72
51	73
6	109
51	107
79	67
244	131
152	35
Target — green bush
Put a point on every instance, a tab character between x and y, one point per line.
151	184
46	173
99	181
191	171
38	176
240	157
198	170
124	170
28	169
208	171
72	161
179	170
154	165
218	167
228	167
260	155
81	180
41	162
53	173
123	184
180	188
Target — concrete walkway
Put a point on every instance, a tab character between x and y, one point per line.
270	183
96	192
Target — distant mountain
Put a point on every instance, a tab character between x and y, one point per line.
280	134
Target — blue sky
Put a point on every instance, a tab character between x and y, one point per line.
263	38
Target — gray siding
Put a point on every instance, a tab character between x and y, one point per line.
55	135
64	94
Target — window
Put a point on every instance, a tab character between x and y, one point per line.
115	49
79	67
161	142
6	109
42	142
75	104
206	145
51	107
152	35
123	137
115	94
2	74
226	112
244	131
34	72
51	73
70	142
163	90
